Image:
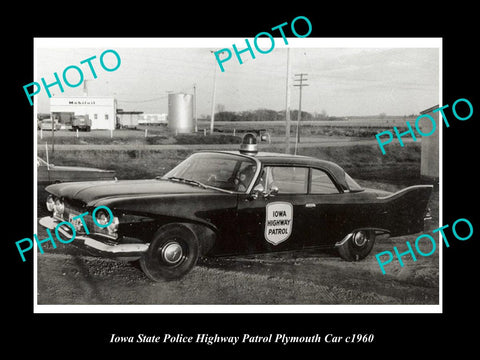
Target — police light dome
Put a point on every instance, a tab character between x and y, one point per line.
249	144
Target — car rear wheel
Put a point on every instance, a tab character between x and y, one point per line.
358	245
172	253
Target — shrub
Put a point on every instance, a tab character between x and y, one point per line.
186	139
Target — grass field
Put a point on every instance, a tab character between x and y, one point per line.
399	165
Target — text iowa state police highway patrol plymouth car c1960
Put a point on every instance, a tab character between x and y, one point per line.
234	202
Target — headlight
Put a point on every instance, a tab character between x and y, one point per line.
58	208
50	203
113	227
103	218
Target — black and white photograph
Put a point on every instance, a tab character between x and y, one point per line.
213	179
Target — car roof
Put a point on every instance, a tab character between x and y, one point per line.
279	159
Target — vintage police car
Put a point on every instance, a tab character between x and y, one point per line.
233	202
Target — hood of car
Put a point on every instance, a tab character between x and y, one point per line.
93	190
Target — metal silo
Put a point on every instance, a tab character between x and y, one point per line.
180	113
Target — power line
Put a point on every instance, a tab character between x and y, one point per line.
287	105
142	101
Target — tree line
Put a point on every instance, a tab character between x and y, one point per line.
269	115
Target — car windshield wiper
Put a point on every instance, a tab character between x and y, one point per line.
188	181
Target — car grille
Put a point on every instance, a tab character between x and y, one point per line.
72	211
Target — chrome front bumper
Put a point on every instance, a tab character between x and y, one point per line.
96	243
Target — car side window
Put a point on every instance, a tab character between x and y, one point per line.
288	180
321	183
244	175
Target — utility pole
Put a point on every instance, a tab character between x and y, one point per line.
52	117
287	106
195	105
212	121
212	118
299	115
85	89
53	132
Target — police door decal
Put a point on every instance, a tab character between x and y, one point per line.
278	222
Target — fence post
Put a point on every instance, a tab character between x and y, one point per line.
146	132
46	155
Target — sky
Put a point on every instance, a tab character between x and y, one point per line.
344	77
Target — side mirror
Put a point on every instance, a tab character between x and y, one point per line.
260	190
257	190
273	191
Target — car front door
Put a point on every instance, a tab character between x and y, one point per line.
272	218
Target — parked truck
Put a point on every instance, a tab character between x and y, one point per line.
81	122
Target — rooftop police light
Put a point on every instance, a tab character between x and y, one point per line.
249	144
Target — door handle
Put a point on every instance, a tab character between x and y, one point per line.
310	205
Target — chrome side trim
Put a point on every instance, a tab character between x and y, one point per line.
404	190
378	231
344	240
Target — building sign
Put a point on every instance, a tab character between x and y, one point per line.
84	102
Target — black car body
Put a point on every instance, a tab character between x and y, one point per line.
230	202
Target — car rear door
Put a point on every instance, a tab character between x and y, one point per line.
325	210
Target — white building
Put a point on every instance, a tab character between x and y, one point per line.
153	119
101	110
430	159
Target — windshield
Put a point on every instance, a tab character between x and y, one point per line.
224	171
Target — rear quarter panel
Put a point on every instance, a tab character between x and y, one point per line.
404	211
400	213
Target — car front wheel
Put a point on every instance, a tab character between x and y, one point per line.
172	253
358	245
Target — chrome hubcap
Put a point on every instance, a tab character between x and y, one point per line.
172	252
360	238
